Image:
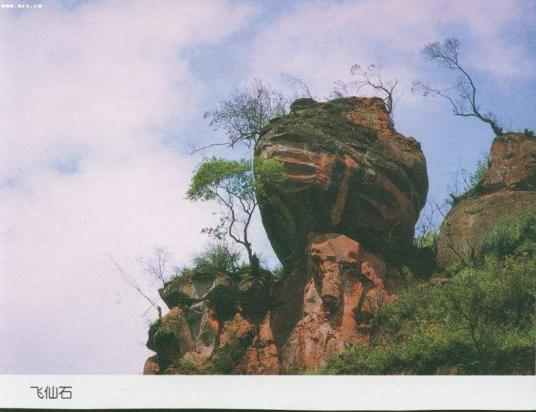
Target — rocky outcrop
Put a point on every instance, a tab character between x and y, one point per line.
348	172
340	222
507	187
346	288
209	315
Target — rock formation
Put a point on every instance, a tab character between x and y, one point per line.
209	312
349	172
507	187
353	193
340	224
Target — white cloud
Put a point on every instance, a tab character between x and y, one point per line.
320	41
83	172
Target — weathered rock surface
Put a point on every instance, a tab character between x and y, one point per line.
512	164
348	171
339	223
507	187
346	287
214	321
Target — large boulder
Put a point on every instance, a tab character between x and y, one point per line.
508	187
349	176
348	172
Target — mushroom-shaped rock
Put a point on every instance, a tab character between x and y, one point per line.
348	171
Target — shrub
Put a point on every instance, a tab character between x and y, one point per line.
467	182
224	359
513	235
217	258
185	367
278	272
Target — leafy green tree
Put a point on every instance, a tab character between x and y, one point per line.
234	186
462	94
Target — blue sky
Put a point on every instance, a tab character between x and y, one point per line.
101	98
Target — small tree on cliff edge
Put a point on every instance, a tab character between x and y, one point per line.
462	94
371	79
232	184
243	116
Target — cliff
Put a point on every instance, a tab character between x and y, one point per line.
342	224
339	223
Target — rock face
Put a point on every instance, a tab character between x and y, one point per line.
507	187
346	287
340	223
349	172
214	321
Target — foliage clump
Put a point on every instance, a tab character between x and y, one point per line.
225	358
466	183
512	236
479	320
235	185
217	258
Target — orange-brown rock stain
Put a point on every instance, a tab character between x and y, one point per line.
345	290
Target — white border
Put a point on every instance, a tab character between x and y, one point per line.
276	392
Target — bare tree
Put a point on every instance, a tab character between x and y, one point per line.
131	281
462	94
369	78
427	227
158	266
297	84
243	116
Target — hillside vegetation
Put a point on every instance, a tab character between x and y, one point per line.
479	319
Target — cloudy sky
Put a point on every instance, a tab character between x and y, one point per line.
100	100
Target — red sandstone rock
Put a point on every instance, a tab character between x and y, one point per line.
348	172
507	187
262	356
344	292
151	366
512	164
353	193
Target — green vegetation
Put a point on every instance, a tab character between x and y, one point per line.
512	236
234	184
322	125
185	367
217	258
481	168
153	328
469	181
479	320
224	359
426	239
